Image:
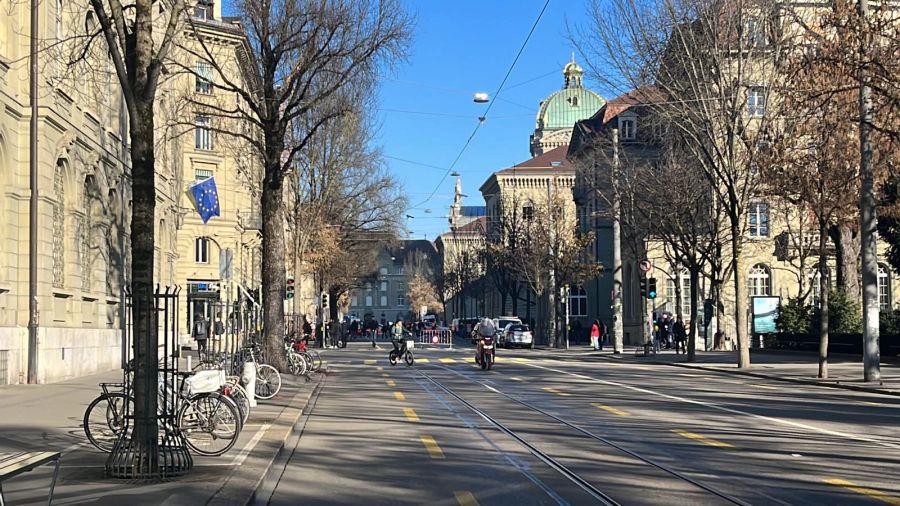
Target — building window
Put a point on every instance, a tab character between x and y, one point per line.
627	129
202	174
815	281
756	101
577	301
760	281
383	271
204	10
755	32
202	133
368	300
354	300
59	226
884	288
201	250
384	286
383	301
203	76
528	212
758	217
685	294
401	299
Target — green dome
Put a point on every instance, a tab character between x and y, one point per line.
565	107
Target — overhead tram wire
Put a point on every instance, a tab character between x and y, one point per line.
490	105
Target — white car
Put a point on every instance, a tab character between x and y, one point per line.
517	334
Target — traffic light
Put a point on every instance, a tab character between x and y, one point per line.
651	288
643	286
289	291
325	302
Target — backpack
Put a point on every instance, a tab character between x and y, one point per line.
220	328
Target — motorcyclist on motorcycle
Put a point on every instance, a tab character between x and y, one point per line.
485	328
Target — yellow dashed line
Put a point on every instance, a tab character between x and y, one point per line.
369	362
465	498
516	378
557	392
399	396
391	383
874	494
385	375
702	439
612	410
380	368
433	449
422	360
411	414
520	359
448	360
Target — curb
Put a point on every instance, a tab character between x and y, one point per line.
234	491
871	390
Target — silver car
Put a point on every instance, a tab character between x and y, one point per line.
517	334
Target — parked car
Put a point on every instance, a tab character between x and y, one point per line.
517	334
503	321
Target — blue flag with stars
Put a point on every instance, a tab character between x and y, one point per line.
206	198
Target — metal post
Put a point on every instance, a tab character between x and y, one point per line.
568	293
33	203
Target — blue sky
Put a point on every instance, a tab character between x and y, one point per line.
459	48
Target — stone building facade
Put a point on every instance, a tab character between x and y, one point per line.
84	195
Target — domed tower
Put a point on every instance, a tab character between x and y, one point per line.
561	110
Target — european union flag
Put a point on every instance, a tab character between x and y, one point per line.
206	198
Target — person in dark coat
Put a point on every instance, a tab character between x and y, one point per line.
680	332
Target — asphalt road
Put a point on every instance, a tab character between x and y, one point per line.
554	428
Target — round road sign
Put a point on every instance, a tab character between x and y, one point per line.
645	265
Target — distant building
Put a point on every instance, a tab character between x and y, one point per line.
560	111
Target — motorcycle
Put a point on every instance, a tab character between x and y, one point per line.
486	358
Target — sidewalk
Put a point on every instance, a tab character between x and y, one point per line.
49	418
844	371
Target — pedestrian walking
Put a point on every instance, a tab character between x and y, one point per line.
596	335
200	333
678	329
604	333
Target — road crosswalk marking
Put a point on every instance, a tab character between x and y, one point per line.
423	360
391	383
433	449
448	360
369	362
399	396
612	410
465	498
703	439
411	414
874	494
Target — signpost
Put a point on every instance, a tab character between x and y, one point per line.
645	266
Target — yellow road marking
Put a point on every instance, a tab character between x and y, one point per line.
422	360
380	368
377	347
385	375
874	494
702	439
516	378
399	396
433	449
612	410
411	414
520	359
369	362
448	360
465	498
557	392
391	383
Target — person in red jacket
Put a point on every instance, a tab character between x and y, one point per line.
596	335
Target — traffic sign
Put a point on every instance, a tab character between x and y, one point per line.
645	265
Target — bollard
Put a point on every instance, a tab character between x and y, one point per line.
248	380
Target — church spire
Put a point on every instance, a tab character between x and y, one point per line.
573	74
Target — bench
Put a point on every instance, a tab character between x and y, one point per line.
14	464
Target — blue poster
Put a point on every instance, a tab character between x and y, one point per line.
765	310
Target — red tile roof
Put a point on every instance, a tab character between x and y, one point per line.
555	159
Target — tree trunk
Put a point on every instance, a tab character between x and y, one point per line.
144	316
823	300
847	245
740	297
273	279
695	294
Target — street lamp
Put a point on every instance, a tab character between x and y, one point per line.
481	98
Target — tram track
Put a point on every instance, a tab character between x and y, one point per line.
575	477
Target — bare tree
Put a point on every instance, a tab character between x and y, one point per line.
298	55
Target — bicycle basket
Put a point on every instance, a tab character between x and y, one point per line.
205	381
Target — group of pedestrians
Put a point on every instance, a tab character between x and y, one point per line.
671	332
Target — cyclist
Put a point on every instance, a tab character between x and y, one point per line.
397	332
485	328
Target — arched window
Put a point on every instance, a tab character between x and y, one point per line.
760	281
86	233
577	301
59	225
815	281
628	294
884	287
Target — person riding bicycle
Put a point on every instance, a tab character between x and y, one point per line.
397	332
485	328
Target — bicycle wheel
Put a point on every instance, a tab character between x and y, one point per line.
104	420
409	358
268	381
315	360
392	357
239	396
210	423
297	364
